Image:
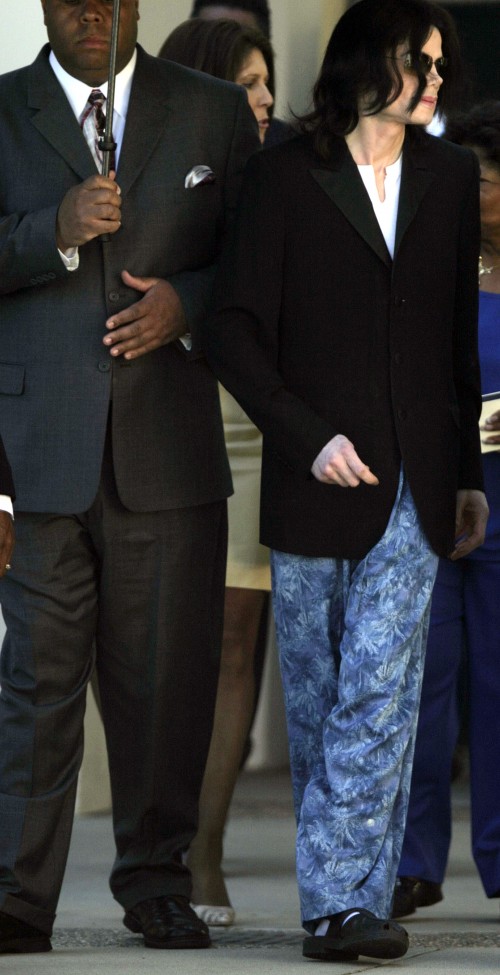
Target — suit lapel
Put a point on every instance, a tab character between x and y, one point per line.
54	117
416	179
343	184
149	109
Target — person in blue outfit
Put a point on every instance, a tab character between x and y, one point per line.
345	324
465	610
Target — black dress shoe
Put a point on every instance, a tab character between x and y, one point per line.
412	892
19	938
167	922
352	934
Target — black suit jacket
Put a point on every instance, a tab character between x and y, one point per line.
319	332
56	377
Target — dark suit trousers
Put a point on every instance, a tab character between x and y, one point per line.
144	594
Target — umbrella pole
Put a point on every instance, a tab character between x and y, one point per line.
107	145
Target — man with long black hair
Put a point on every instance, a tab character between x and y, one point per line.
346	326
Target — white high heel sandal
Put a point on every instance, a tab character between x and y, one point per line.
215	917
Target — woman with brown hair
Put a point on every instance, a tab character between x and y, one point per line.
232	52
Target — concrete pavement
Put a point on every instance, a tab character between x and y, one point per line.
460	936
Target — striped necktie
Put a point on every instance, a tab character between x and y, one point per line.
92	122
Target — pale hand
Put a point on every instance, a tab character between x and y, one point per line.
338	463
471	518
87	211
155	320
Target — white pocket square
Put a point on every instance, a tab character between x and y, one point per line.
198	175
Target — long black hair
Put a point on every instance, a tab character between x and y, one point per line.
359	64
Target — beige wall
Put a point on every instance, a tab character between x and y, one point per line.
299	30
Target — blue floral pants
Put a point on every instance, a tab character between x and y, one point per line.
351	637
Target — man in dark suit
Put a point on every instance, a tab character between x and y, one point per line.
350	339
111	419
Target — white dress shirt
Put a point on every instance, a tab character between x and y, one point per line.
6	504
386	211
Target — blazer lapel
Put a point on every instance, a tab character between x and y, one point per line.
54	117
55	120
343	184
416	179
149	109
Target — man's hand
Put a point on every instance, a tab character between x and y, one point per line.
157	319
6	540
338	463
87	211
470	527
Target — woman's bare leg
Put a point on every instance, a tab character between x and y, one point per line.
233	715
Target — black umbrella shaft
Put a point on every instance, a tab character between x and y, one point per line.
107	144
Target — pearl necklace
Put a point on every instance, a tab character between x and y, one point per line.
486	270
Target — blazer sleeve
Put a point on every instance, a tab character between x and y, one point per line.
242	336
28	250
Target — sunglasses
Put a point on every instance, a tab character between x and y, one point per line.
424	61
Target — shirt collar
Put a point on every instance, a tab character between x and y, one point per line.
77	92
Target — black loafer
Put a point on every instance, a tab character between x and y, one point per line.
167	922
19	938
362	934
412	892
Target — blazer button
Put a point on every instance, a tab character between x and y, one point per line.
104	366
114	296
399	302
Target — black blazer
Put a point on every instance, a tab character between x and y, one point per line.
319	332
